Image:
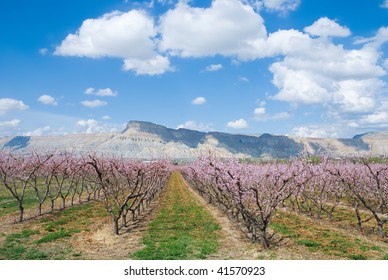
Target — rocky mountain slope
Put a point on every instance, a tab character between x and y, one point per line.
145	140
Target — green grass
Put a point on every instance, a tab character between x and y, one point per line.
182	230
50	238
55	235
316	236
310	244
8	204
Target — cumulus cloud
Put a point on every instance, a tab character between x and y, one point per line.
281	5
39	132
156	65
259	111
226	28
10	104
43	51
199	101
377	119
11	123
260	114
106	118
321	72
90	126
385	64
325	27
315	132
47	100
116	34
101	92
94	103
213	68
127	35
376	41
243	79
238	124
199	126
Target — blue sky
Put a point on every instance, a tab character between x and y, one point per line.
313	68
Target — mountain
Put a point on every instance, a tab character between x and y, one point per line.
145	140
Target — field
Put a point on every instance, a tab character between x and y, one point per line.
169	215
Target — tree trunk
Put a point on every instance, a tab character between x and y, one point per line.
124	220
263	239
39	209
116	226
380	229
52	205
21	211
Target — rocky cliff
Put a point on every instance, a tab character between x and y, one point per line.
145	140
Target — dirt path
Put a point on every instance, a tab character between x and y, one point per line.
234	245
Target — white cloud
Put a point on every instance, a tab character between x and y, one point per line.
193	125
315	132
129	36
101	92
320	72
374	120
213	68
260	114
297	86
281	5
259	111
238	124
376	41
325	27
385	64
156	65
10	104
43	51
199	101
94	103
106	118
243	79
357	96
116	34
47	100
227	28
384	4
89	90
92	126
39	132
11	123
88	126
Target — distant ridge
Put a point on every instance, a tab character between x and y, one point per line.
146	140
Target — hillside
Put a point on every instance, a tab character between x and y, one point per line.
145	140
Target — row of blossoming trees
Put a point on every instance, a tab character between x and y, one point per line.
251	193
124	186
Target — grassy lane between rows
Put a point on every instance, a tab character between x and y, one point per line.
182	230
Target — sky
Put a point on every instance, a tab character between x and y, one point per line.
311	68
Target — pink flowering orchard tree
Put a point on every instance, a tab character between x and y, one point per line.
366	185
17	174
255	191
122	182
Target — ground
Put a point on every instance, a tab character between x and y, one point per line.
180	218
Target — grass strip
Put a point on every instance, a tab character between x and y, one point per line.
182	230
